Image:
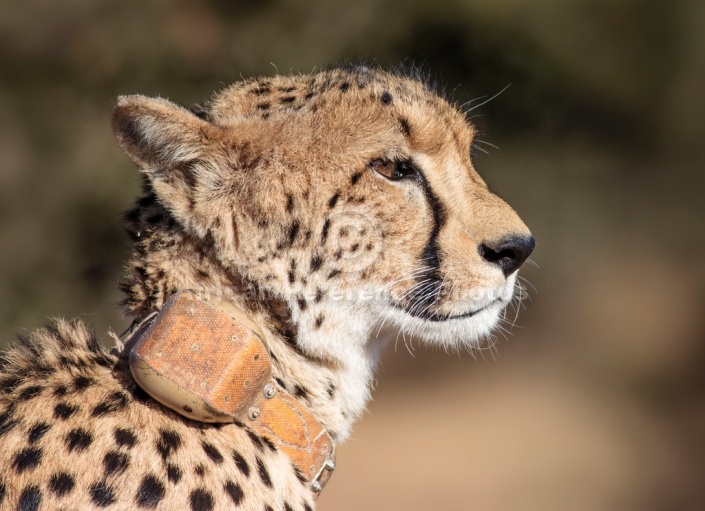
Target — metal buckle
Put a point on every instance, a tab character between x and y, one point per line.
319	482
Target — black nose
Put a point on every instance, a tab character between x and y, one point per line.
509	253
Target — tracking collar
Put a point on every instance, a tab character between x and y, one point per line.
204	358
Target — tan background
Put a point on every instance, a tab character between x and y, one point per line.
594	400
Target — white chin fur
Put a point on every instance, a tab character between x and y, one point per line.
453	333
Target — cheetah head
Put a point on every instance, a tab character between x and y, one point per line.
349	195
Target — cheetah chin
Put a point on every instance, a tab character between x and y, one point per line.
329	208
468	323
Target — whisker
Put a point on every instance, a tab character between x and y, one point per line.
485	142
480	149
471	101
488	100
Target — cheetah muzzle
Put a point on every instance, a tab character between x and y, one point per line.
330	207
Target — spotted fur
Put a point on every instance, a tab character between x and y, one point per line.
330	206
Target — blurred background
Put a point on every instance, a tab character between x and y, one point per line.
595	399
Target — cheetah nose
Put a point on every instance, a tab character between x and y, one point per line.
509	253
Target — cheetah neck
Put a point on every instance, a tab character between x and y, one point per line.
336	390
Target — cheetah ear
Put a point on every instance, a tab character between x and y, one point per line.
181	154
159	135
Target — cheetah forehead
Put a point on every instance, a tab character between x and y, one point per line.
361	89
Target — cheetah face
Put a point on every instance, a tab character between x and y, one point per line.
349	194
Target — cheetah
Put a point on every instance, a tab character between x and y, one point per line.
330	207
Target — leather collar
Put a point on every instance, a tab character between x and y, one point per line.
204	358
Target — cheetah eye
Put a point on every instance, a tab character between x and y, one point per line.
394	170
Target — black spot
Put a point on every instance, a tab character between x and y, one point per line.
344	86
30	392
168	443
354	247
307	507
355	178
27	459
287	507
37	431
302	304
61	483
200	113
81	383
269	443
280	382
150	492
259	91
147	200
8	385
102	495
319	296
241	464
326	228
3	490
300	476
293	232
212	453
263	106
173	473
200	470
300	391
292	272
386	98
288	99
405	127
263	474
115	462
334	200
139	394
78	439
267	507
316	262
334	274
30	498
125	437
256	440
114	403
131	217
289	203
201	500
319	321
6	422
331	389
155	219
235	492
60	390
44	371
64	410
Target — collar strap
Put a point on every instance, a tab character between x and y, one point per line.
205	359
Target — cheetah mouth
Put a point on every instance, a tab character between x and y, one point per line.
437	317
